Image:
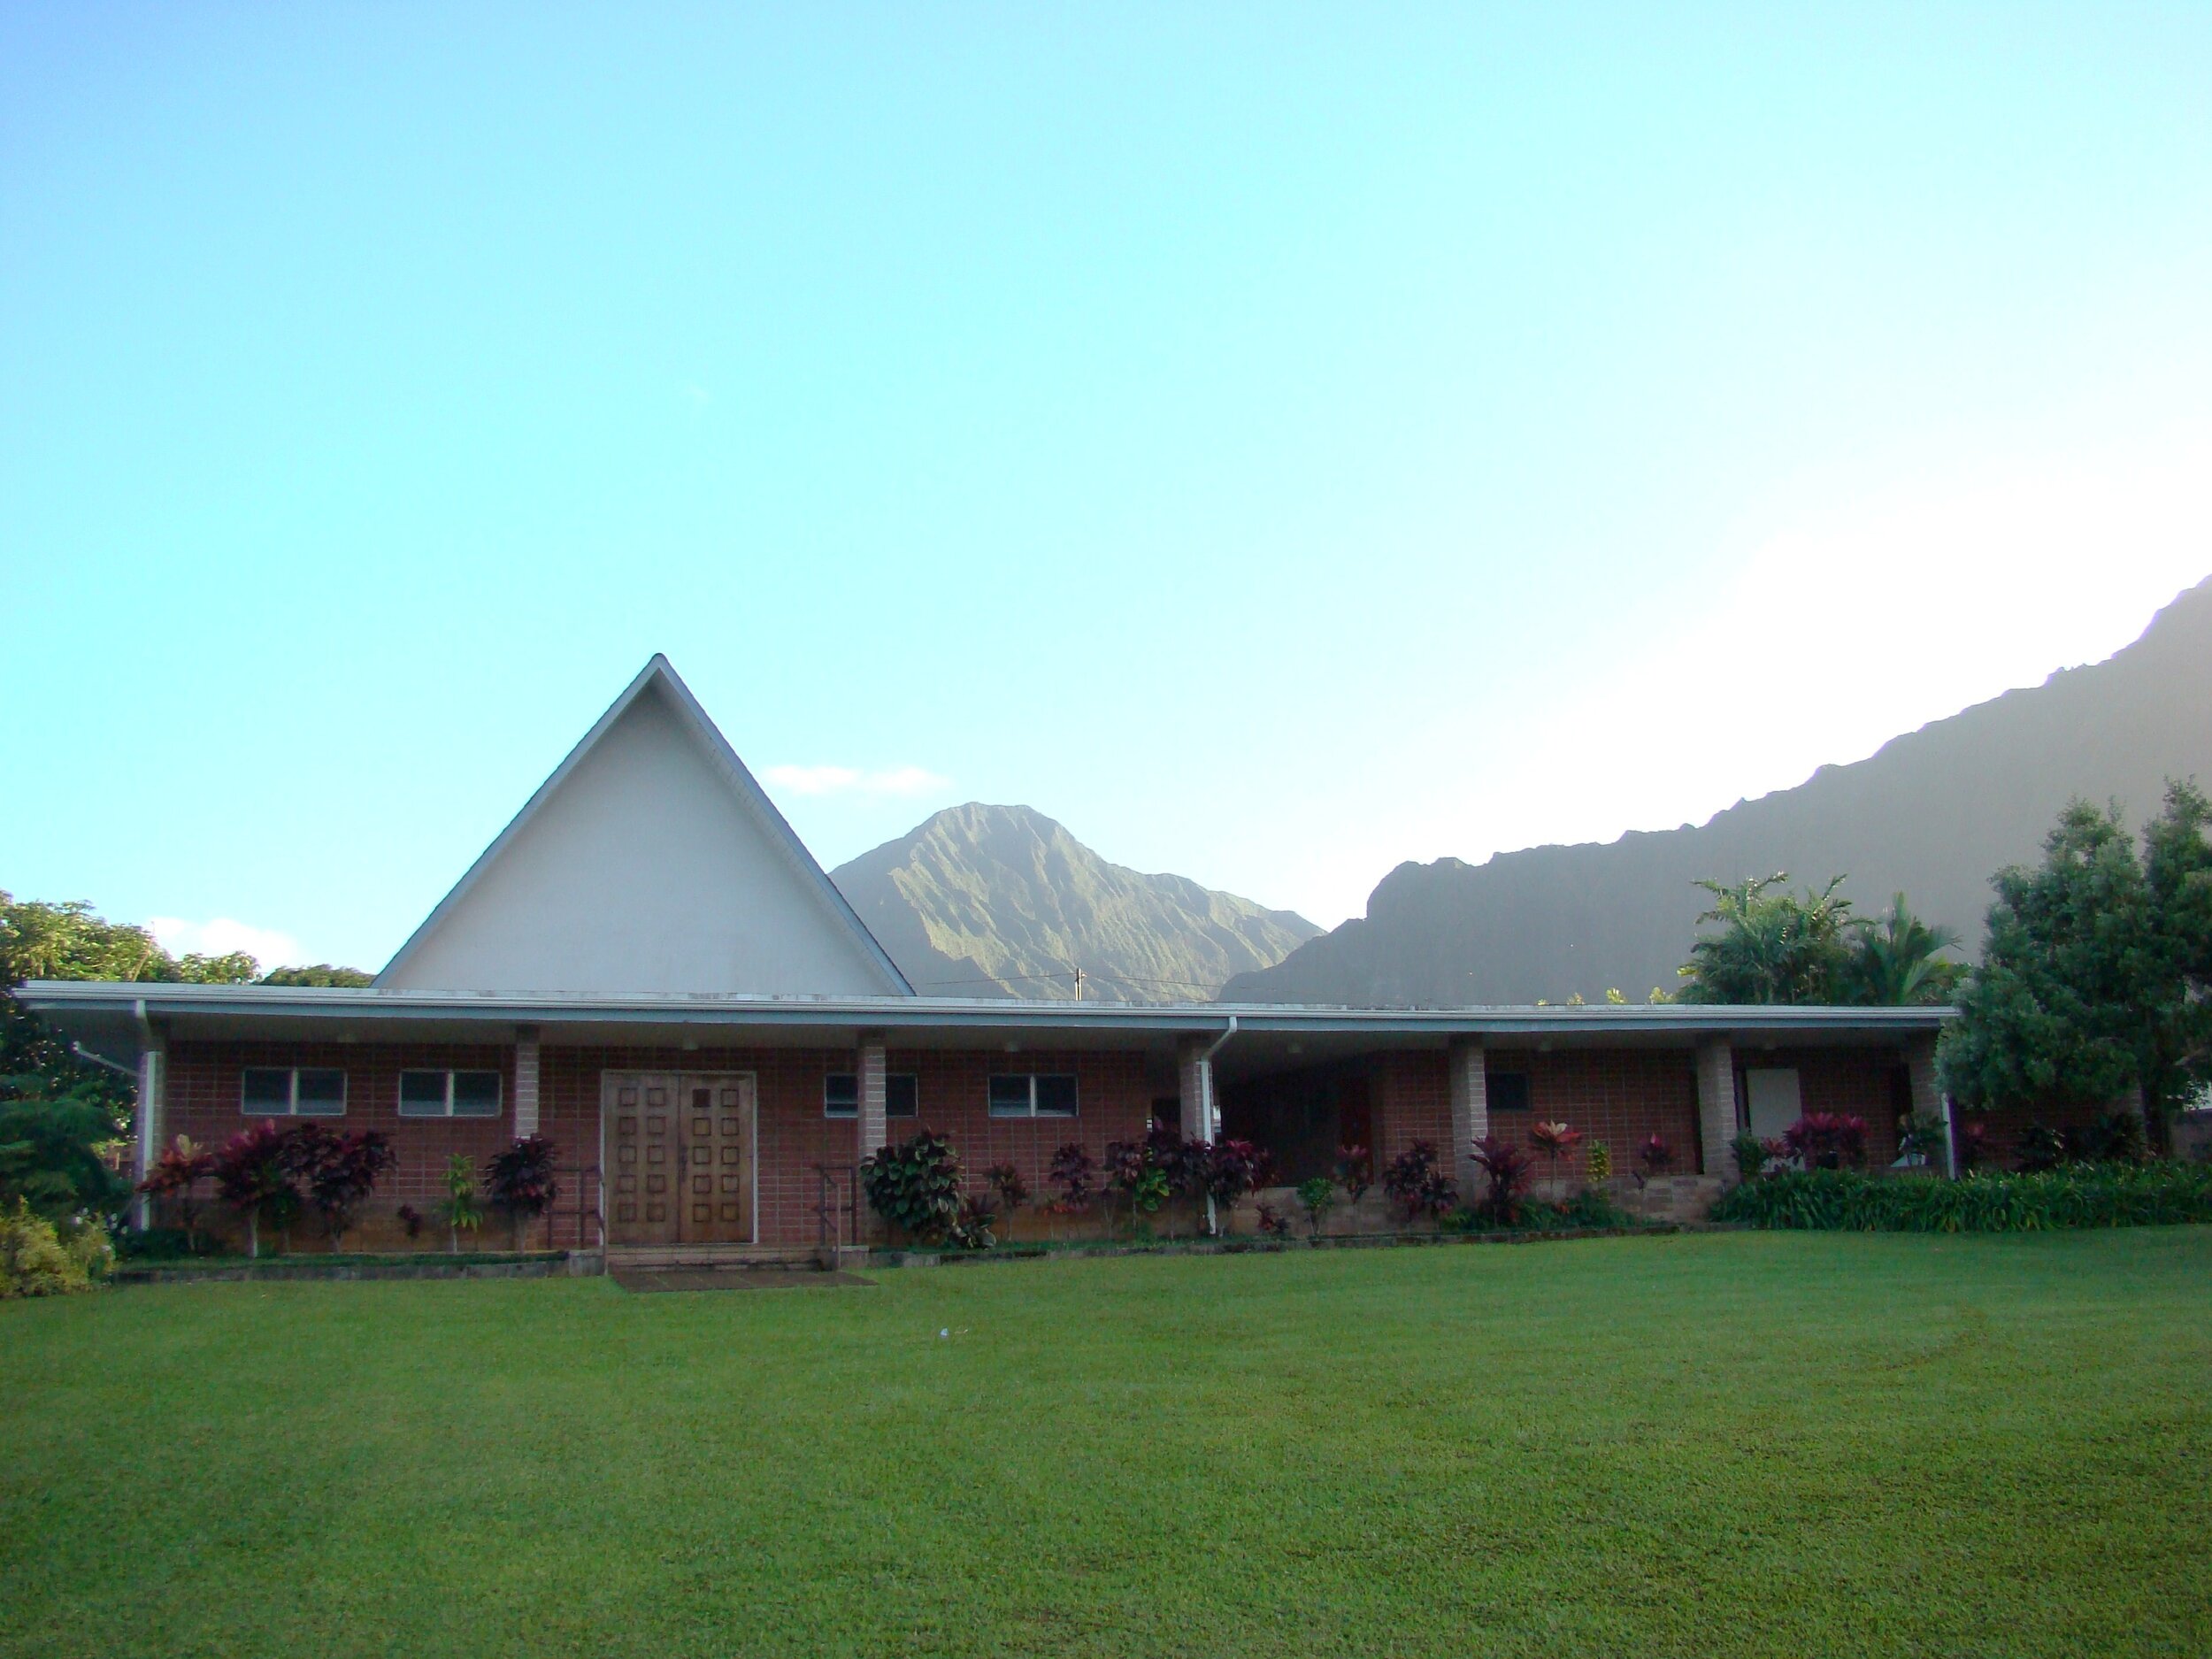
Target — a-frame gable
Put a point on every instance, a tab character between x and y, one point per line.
650	862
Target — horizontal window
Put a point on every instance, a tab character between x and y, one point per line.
449	1093
1506	1091
292	1091
840	1094
1032	1094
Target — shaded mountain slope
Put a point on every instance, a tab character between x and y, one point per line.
1001	901
1932	813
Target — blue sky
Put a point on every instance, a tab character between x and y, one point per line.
1277	442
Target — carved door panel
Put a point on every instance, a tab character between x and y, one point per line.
646	1140
717	1160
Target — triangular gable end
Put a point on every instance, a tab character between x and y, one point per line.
651	862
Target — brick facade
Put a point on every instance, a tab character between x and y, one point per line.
202	1100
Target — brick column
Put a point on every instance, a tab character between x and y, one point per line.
525	1080
1194	1078
1928	1097
1470	1110
1716	1106
870	1065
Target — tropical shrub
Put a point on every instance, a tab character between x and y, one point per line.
1554	1142
1750	1154
339	1171
1273	1224
1355	1171
1921	1136
1181	1163
1006	1181
462	1212
915	1186
254	1175
1074	1177
1656	1155
37	1260
970	1228
519	1181
411	1218
2040	1148
2113	1138
1506	1169
1827	1141
1597	1163
1416	1179
176	1175
51	1140
2097	1195
1230	1170
1318	1197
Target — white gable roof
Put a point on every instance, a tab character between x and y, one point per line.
650	862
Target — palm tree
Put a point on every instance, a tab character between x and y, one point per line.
1898	961
1772	947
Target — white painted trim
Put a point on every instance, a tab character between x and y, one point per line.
659	675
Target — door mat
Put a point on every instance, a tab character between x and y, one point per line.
735	1279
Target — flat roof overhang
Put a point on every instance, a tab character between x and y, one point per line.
115	1019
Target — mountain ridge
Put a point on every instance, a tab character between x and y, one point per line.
1932	812
1001	901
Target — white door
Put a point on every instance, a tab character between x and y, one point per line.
1773	1098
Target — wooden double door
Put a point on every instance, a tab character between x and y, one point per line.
680	1147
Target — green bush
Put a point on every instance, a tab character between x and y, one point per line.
915	1186
2075	1195
36	1261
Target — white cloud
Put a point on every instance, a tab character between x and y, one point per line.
222	935
895	780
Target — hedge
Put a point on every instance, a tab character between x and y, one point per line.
2076	1196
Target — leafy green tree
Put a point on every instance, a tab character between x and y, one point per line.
50	1142
322	973
1898	961
2093	982
1771	948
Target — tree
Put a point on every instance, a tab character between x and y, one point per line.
519	1182
1898	961
1772	947
2093	980
253	1175
322	973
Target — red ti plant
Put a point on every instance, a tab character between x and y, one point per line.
1656	1155
340	1170
1074	1180
181	1168
519	1182
1273	1225
1554	1142
1013	1192
1355	1171
1828	1141
1231	1169
1416	1179
1507	1168
253	1175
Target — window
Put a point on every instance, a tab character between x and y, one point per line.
1507	1091
449	1093
292	1091
1032	1094
840	1094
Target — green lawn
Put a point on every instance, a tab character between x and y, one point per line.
1723	1443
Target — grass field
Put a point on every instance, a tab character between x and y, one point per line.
1716	1444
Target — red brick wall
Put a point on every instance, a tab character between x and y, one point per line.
201	1099
1621	1096
1413	1102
